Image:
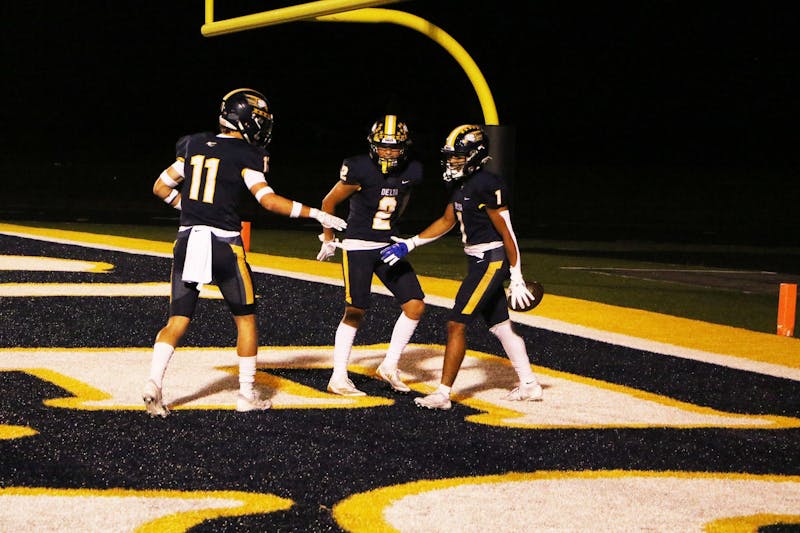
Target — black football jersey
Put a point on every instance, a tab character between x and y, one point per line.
213	185
481	191
376	206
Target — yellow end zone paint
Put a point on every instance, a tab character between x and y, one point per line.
8	432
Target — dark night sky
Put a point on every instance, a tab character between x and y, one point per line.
609	100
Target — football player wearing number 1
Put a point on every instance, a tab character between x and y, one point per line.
378	185
478	205
212	173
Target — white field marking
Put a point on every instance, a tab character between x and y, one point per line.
693	270
51	264
636	274
577	501
97	290
548	324
45	509
206	378
84	244
638	343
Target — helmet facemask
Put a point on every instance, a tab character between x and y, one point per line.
387	162
453	165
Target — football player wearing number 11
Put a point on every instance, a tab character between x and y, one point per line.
206	182
478	205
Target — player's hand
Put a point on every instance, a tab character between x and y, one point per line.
328	221
327	249
394	253
519	295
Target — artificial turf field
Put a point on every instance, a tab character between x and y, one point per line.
649	422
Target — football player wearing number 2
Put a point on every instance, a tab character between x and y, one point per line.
378	186
206	182
478	205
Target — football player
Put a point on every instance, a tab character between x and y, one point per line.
479	204
378	186
206	182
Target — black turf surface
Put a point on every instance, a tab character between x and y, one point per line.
317	457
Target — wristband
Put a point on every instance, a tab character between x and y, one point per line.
169	182
313	212
263	192
171	196
296	208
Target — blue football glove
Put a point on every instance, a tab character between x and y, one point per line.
394	253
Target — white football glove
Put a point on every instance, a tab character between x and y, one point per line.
327	249
327	220
521	297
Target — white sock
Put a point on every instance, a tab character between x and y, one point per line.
514	347
443	389
247	375
162	353
403	330
345	335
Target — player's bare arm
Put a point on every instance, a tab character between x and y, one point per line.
280	205
440	226
338	194
401	247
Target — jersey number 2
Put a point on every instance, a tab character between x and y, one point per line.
199	163
382	219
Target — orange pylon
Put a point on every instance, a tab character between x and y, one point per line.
246	236
787	302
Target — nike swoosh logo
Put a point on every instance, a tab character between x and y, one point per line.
404	182
466	198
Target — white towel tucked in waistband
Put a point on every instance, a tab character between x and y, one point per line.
197	266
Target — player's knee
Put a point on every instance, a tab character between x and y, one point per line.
455	329
414	309
353	316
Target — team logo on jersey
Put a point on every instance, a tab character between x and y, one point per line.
343	172
458	206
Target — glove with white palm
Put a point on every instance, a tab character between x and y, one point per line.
520	298
395	252
327	220
327	249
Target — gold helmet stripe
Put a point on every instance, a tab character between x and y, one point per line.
236	91
451	139
390	125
